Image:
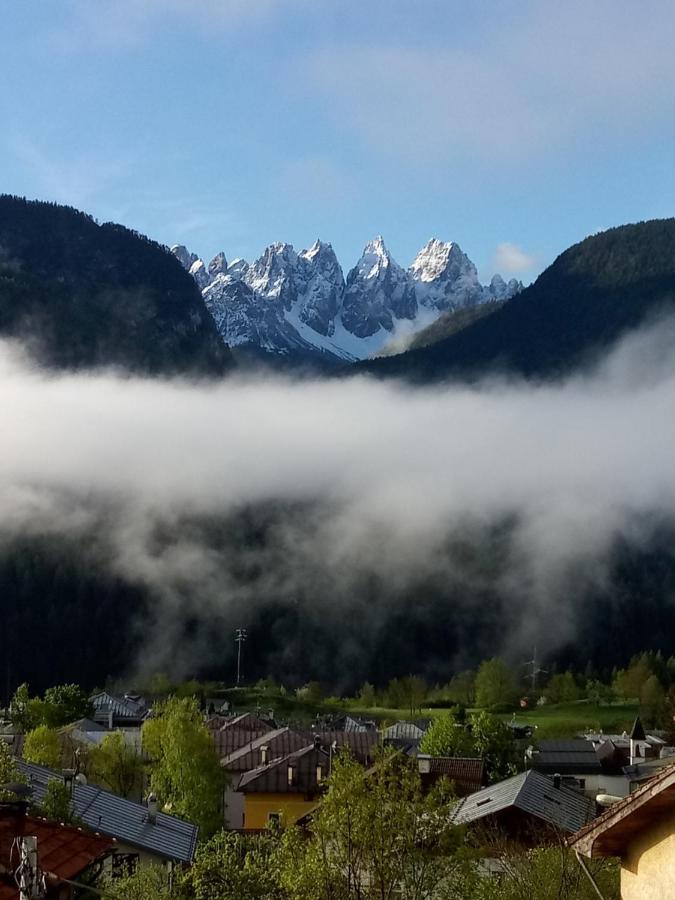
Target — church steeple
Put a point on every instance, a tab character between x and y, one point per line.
637	735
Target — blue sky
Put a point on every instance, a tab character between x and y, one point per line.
514	128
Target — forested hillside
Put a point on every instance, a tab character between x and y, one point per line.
592	294
67	616
82	295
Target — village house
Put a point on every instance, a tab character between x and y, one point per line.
528	809
142	834
574	760
640	830
126	712
281	790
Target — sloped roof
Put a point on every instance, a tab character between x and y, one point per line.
63	850
647	769
121	707
361	744
466	773
279	743
637	731
572	757
228	740
611	833
103	811
273	777
85	725
532	793
613	757
249	722
404	731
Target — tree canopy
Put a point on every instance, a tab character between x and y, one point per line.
186	774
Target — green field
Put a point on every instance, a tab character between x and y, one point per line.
567	719
554	721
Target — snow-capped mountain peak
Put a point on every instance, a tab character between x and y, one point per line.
374	259
237	268
444	277
312	252
288	302
432	260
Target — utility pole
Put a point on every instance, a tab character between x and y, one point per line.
242	634
535	669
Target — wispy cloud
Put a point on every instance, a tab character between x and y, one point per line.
319	180
512	260
76	181
546	78
128	23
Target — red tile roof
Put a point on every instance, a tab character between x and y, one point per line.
233	738
63	850
466	773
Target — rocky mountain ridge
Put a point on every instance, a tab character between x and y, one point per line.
287	302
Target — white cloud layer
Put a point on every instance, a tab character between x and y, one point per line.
390	471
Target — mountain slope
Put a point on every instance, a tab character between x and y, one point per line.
82	295
300	305
593	293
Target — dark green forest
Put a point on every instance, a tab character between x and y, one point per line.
66	616
81	295
592	294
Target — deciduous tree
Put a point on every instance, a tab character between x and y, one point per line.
56	804
447	736
41	746
495	684
117	765
185	773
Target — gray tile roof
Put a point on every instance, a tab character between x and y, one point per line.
120	707
404	731
362	744
86	725
532	793
100	810
573	757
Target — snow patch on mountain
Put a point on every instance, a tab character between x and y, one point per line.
287	302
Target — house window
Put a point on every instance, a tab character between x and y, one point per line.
274	818
582	784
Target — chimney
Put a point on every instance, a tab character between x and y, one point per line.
264	751
152	808
557	781
69	779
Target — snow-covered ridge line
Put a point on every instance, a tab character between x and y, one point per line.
287	302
